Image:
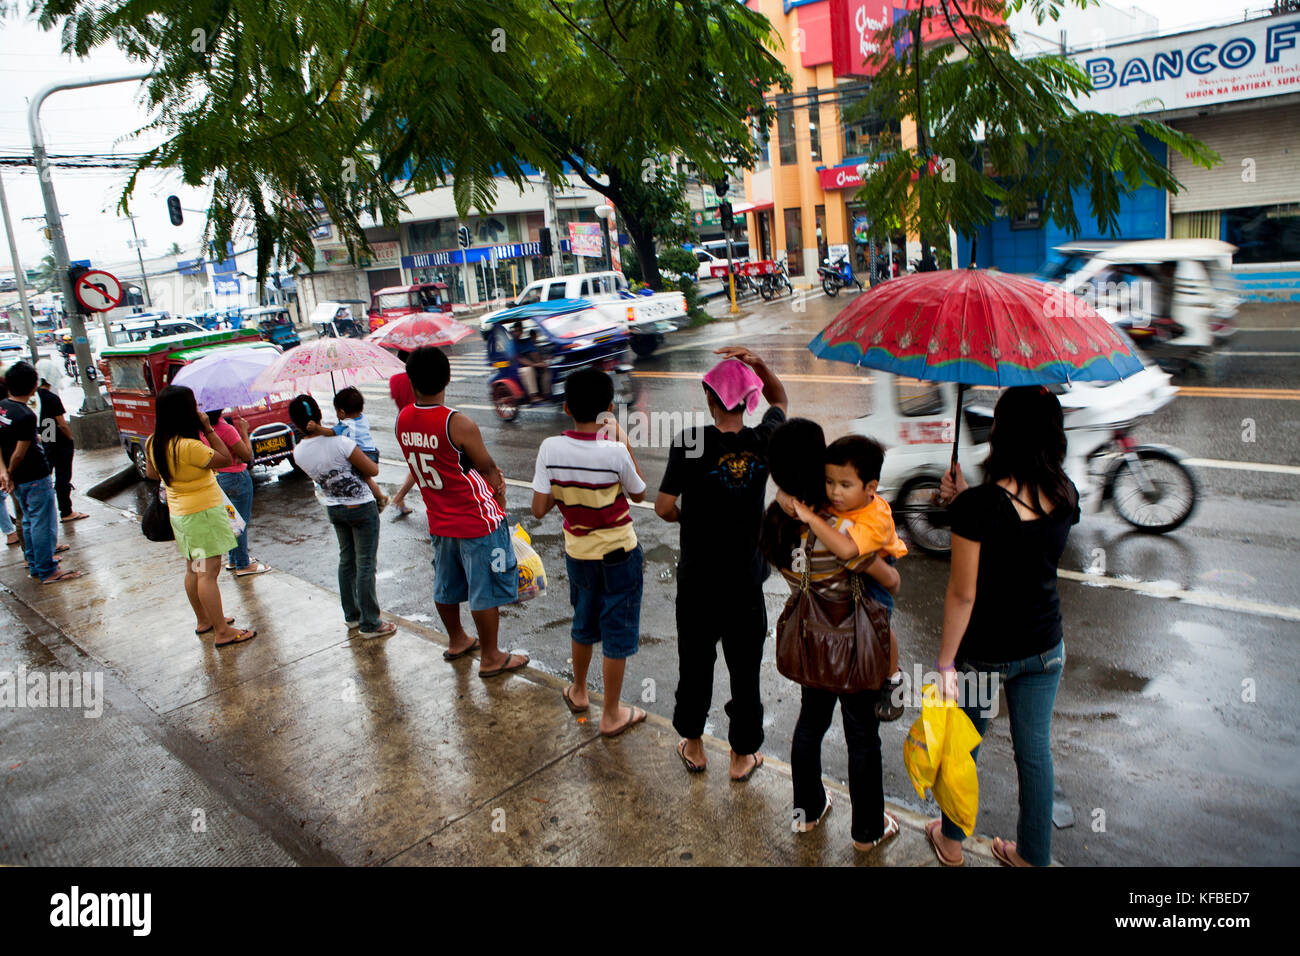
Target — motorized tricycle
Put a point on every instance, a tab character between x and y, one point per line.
273	324
138	371
571	335
334	319
1149	485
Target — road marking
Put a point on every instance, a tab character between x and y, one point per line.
785	377
1257	328
1205	391
1242	465
1168	589
1239	354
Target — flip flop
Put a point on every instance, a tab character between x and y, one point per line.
15	542
257	568
245	635
892	829
1000	852
63	547
809	827
403	512
573	708
930	829
506	667
208	629
449	656
75	516
686	762
61	576
627	724
758	762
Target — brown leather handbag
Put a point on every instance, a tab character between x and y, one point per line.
839	646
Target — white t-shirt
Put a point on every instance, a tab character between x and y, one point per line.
325	460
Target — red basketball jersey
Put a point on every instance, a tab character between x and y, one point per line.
459	501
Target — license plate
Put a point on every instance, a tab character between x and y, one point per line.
268	446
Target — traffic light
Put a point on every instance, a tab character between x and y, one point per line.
720	187
724	210
462	237
544	240
174	210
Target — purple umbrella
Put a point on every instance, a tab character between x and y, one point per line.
222	378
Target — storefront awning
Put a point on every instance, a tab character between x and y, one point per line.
741	208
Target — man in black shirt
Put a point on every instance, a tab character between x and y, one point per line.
56	439
20	447
720	473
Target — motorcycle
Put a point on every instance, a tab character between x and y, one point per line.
769	286
837	276
1149	485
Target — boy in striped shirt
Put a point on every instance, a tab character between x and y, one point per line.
591	477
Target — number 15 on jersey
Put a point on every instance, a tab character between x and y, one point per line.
426	476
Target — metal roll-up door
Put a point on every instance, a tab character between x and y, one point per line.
1268	138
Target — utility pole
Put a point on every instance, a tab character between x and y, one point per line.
553	224
94	401
20	278
144	279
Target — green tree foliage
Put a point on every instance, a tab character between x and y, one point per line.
994	129
275	102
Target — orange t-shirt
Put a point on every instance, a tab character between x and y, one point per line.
871	527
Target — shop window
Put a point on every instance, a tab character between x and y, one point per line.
785	141
762	136
1264	233
794	241
814	125
864	134
1196	225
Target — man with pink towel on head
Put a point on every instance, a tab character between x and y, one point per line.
720	474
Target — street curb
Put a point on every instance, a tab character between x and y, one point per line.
113	484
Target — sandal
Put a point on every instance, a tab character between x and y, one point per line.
63	547
75	516
573	708
627	724
208	629
1000	848
806	827
61	576
403	512
892	829
13	539
255	568
930	829
505	668
758	762
686	762
240	637
449	656
383	630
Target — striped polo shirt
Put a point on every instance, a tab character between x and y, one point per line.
588	476
826	570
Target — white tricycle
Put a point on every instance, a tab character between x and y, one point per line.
1149	485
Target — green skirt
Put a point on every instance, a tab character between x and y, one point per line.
204	534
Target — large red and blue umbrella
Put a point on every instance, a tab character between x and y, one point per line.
976	327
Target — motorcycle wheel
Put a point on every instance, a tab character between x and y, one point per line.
766	290
788	287
914	510
1156	496
830	286
504	402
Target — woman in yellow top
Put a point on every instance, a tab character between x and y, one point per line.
187	467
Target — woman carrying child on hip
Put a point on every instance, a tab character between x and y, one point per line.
350	408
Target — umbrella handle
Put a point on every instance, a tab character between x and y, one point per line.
956	432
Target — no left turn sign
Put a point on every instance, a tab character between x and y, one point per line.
98	291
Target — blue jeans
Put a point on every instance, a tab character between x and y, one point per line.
357	528
1030	685
40	525
606	599
6	522
238	486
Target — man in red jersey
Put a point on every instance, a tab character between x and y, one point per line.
399	386
464	493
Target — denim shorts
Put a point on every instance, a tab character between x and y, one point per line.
482	570
606	601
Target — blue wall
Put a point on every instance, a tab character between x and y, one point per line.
1141	216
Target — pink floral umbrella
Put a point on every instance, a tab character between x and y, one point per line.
338	361
411	332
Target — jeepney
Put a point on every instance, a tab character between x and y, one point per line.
136	372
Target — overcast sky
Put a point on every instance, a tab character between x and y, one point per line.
101	121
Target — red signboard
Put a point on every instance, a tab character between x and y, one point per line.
854	24
840	177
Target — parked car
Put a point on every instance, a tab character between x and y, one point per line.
645	318
396	301
274	324
137	371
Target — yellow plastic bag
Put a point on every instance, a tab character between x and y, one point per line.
532	574
937	755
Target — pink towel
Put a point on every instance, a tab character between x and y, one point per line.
734	382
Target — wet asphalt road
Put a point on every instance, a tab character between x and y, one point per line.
1175	736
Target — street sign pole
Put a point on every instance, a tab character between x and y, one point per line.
94	399
20	278
144	279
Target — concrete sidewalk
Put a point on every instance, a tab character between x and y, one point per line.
306	747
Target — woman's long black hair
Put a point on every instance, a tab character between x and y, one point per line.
1027	445
796	456
177	417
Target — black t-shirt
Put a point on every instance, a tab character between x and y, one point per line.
1017	610
18	423
51	409
722	479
